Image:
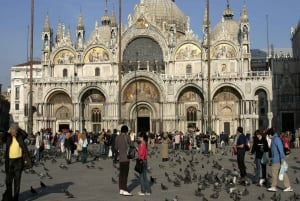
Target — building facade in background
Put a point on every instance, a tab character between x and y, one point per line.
163	80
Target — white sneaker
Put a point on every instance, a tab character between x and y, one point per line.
141	193
147	193
121	192
273	189
261	182
288	189
126	193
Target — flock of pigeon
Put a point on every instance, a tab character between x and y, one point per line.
209	177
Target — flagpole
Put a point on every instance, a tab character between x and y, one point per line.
30	112
119	61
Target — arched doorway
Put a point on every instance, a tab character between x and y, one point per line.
226	110
142	117
92	110
60	109
263	121
190	109
141	105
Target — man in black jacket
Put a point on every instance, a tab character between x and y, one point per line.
16	158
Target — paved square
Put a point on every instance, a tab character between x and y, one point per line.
93	181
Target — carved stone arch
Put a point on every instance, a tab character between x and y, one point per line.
59	105
267	91
59	96
187	87
226	93
83	91
63	113
92	95
50	93
231	85
226	111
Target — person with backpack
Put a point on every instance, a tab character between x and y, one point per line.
260	148
240	145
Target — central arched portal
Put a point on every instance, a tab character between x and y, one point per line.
141	116
141	103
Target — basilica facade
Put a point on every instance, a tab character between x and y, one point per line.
151	75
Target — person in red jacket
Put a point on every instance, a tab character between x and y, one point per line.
143	153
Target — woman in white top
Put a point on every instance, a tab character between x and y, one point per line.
83	143
38	147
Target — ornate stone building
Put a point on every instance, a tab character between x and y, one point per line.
164	75
286	86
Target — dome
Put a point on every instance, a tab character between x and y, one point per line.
162	13
226	30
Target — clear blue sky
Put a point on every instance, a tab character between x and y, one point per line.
15	20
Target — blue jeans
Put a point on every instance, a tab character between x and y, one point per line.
145	186
259	166
206	146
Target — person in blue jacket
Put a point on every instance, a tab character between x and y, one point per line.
278	158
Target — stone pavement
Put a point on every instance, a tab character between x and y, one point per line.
93	181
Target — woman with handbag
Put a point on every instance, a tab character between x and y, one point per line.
142	158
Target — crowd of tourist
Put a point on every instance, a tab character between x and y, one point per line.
267	146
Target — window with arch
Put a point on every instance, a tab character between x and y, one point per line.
96	115
191	114
65	72
97	71
188	69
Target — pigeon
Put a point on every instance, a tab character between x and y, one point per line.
114	181
42	184
32	190
176	183
49	176
215	195
62	166
152	180
163	187
68	194
261	197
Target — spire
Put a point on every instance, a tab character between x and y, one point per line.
80	25
244	14
105	19
205	19
228	12
47	24
59	32
113	18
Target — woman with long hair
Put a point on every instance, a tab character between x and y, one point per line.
143	153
